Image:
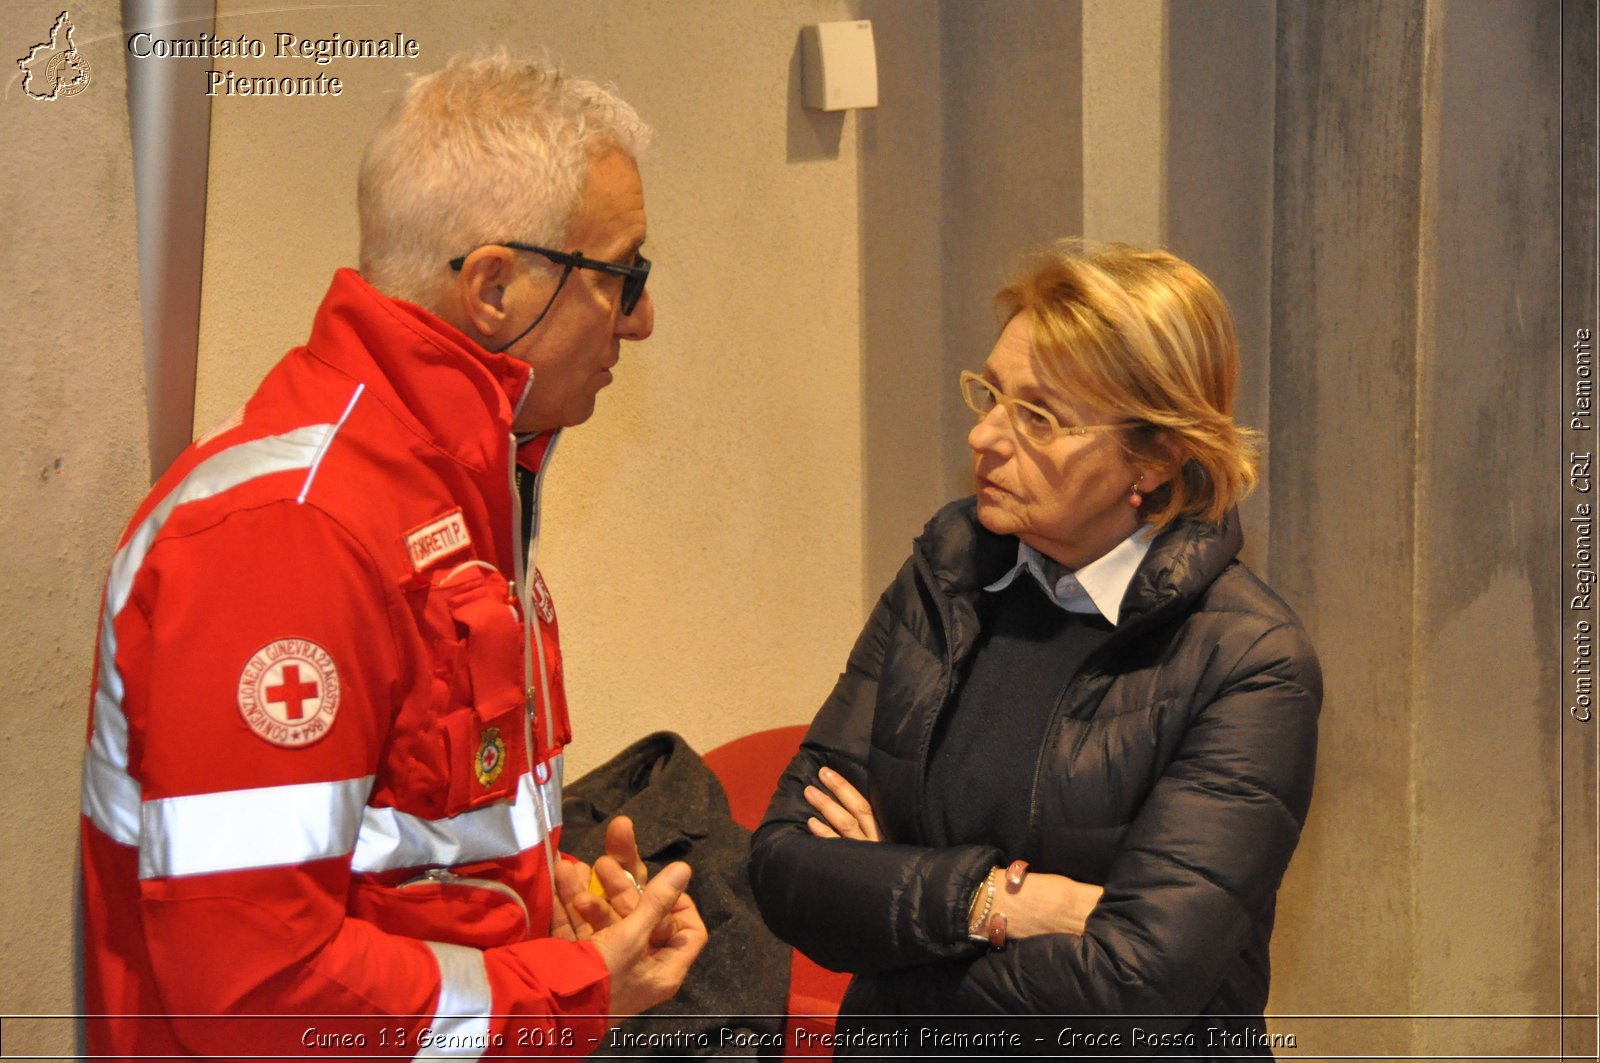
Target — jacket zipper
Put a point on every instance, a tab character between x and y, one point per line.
1086	671
948	631
1134	623
523	569
445	877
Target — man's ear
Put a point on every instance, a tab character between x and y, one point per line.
481	289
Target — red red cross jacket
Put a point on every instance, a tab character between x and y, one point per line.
323	777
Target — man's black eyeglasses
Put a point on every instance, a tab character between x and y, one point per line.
633	277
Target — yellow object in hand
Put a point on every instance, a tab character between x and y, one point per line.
600	891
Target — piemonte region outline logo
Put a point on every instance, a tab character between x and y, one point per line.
55	68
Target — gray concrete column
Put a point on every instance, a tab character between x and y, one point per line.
1343	413
1580	748
1414	296
170	116
1125	100
904	386
1218	192
1012	173
973	158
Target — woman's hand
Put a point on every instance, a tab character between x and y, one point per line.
1045	904
845	813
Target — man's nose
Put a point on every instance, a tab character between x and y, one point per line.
639	324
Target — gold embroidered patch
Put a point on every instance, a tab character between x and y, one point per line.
491	759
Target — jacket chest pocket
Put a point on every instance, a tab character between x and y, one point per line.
475	739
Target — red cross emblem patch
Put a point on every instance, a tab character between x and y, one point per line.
491	758
289	692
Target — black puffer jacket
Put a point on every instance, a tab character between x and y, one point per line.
1176	773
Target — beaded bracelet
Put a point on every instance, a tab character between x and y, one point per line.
992	928
976	930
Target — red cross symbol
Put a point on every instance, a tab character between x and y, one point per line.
292	692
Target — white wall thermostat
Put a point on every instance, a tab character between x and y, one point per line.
840	66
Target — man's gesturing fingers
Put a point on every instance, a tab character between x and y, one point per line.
622	874
623	847
579	912
644	974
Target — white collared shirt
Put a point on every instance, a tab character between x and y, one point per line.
1097	587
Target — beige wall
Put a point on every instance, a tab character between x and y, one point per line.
73	429
702	534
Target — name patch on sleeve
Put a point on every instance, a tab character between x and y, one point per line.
436	539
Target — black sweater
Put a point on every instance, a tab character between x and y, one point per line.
986	748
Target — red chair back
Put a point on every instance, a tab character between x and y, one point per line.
749	769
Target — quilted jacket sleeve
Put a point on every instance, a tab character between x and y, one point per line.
1202	859
849	905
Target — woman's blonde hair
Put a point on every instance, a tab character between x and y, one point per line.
1146	337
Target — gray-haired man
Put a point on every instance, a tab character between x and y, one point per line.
324	779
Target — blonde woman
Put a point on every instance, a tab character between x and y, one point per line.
1072	752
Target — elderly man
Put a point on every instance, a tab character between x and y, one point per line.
324	775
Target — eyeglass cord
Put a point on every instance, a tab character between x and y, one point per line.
565	273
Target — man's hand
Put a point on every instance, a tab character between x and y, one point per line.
643	972
592	899
621	866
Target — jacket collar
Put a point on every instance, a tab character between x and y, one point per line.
428	372
1186	558
961	557
1096	589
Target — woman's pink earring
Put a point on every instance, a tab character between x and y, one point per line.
1135	499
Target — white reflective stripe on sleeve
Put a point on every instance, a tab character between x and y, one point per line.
111	798
221	472
110	794
391	839
460	1026
237	830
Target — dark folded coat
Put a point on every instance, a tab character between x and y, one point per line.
680	812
